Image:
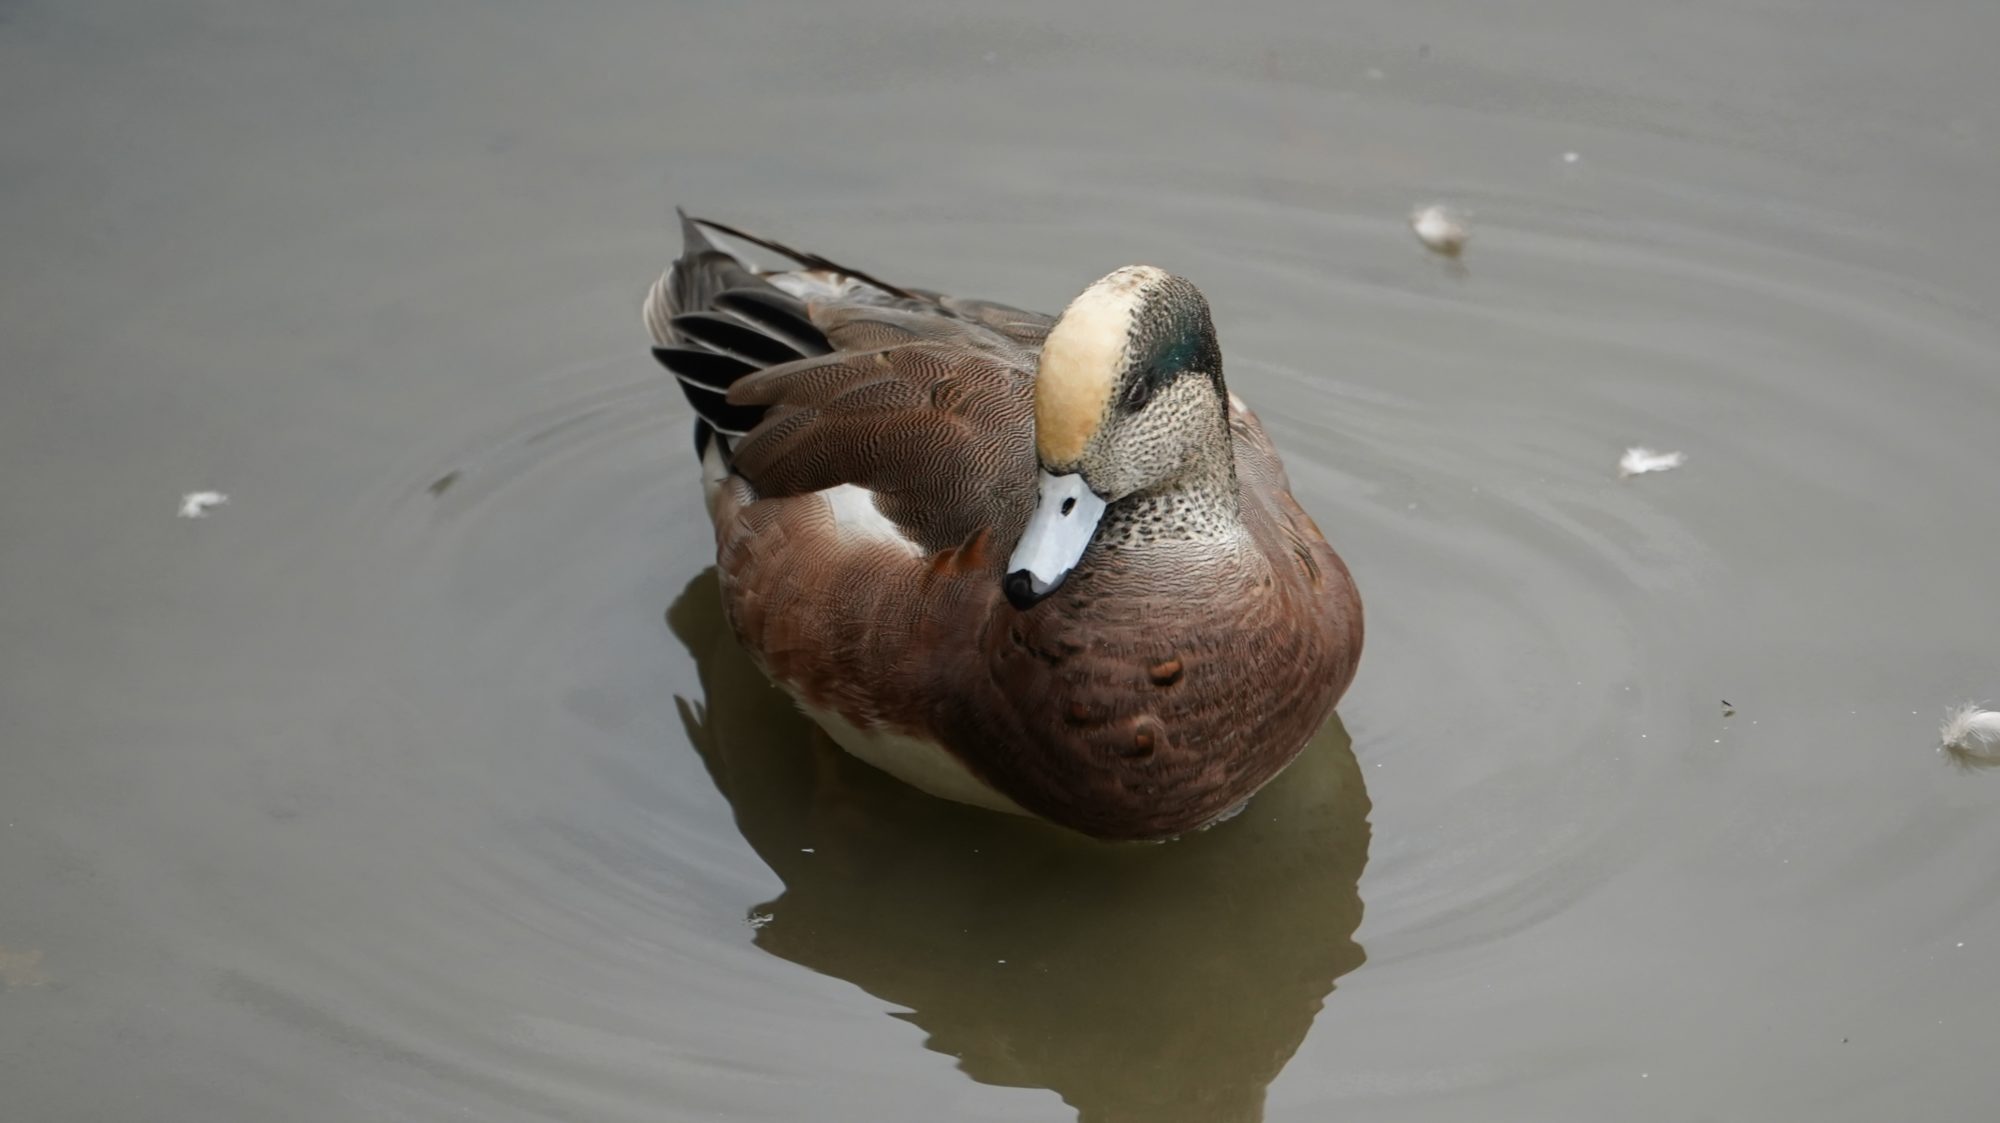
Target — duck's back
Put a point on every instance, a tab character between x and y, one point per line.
865	446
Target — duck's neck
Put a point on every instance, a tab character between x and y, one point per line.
1200	505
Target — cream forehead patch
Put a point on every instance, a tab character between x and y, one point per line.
1081	361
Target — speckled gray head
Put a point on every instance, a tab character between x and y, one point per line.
1129	400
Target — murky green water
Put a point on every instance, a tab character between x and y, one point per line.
421	781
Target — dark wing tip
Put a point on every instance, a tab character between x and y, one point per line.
809	260
692	238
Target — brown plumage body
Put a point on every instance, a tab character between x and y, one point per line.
1156	689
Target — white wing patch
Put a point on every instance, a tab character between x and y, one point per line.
858	520
922	764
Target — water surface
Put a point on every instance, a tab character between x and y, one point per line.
422	781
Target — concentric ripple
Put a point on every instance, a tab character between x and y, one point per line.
617	812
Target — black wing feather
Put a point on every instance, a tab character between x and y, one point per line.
721	321
704	368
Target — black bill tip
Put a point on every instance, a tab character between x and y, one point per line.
1020	589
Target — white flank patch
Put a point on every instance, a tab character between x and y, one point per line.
924	765
714	473
197	504
1639	461
1971	736
858	519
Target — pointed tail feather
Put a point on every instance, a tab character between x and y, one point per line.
714	320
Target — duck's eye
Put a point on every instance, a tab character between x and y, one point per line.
1138	392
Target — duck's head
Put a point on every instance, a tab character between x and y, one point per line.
1129	401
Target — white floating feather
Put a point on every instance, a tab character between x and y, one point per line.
1970	736
197	504
1639	461
1440	229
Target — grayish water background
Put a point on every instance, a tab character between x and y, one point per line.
396	790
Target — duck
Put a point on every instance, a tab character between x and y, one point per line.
1043	565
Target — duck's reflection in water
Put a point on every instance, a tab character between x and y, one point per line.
1158	983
